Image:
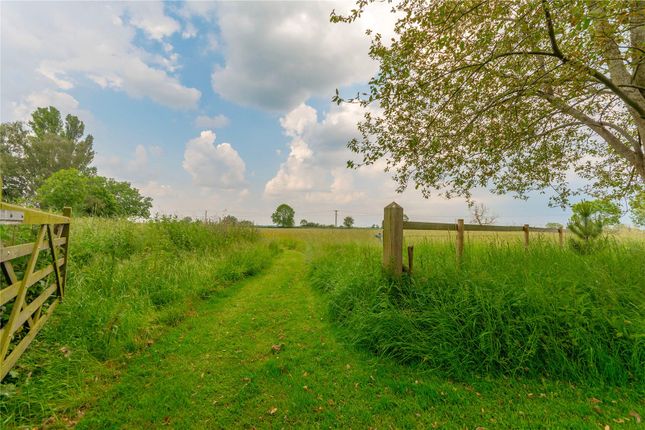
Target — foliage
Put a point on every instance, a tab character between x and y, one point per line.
588	222
554	225
348	222
511	95
283	216
49	144
128	284
481	215
549	313
92	195
637	206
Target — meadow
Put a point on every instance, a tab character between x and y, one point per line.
187	325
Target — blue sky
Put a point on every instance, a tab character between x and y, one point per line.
218	107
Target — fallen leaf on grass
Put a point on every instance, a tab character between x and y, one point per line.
594	400
65	351
276	348
636	416
330	402
607	427
272	411
597	409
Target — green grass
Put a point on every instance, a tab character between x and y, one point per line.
172	325
127	284
547	312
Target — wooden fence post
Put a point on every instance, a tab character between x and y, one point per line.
67	211
561	236
393	239
526	236
410	258
460	240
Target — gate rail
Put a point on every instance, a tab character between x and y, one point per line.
53	234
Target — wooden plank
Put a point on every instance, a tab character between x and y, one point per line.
52	250
460	240
10	361
11	252
20	298
64	233
477	227
33	306
33	216
12	290
525	228
393	239
415	225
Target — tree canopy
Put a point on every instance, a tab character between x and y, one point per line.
509	95
92	195
348	222
284	216
32	152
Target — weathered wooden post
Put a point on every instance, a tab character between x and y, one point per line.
393	239
526	236
410	258
67	211
561	236
460	240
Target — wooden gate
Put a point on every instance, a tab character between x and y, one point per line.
27	318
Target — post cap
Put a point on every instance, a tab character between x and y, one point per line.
393	205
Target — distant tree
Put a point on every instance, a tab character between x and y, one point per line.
13	141
303	223
406	218
348	222
481	215
229	220
283	216
554	225
588	222
514	95
637	206
49	144
92	195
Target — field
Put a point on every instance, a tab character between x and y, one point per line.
183	325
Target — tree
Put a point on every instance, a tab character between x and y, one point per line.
348	222
588	222
637	206
511	95
283	216
481	215
46	146
92	195
554	225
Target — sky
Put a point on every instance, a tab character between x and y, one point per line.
220	108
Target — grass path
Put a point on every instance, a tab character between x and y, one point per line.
219	369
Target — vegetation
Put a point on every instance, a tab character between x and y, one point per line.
588	222
92	195
549	313
31	153
128	284
481	215
638	209
348	222
511	95
283	216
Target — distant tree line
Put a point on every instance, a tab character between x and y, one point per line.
46	161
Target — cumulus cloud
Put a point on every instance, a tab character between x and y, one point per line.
216	121
47	48
278	55
213	166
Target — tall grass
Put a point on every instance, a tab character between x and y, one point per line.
547	312
126	282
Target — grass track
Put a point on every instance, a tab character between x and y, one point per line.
217	370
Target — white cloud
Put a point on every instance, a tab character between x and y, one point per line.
63	101
216	121
213	166
51	47
277	55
